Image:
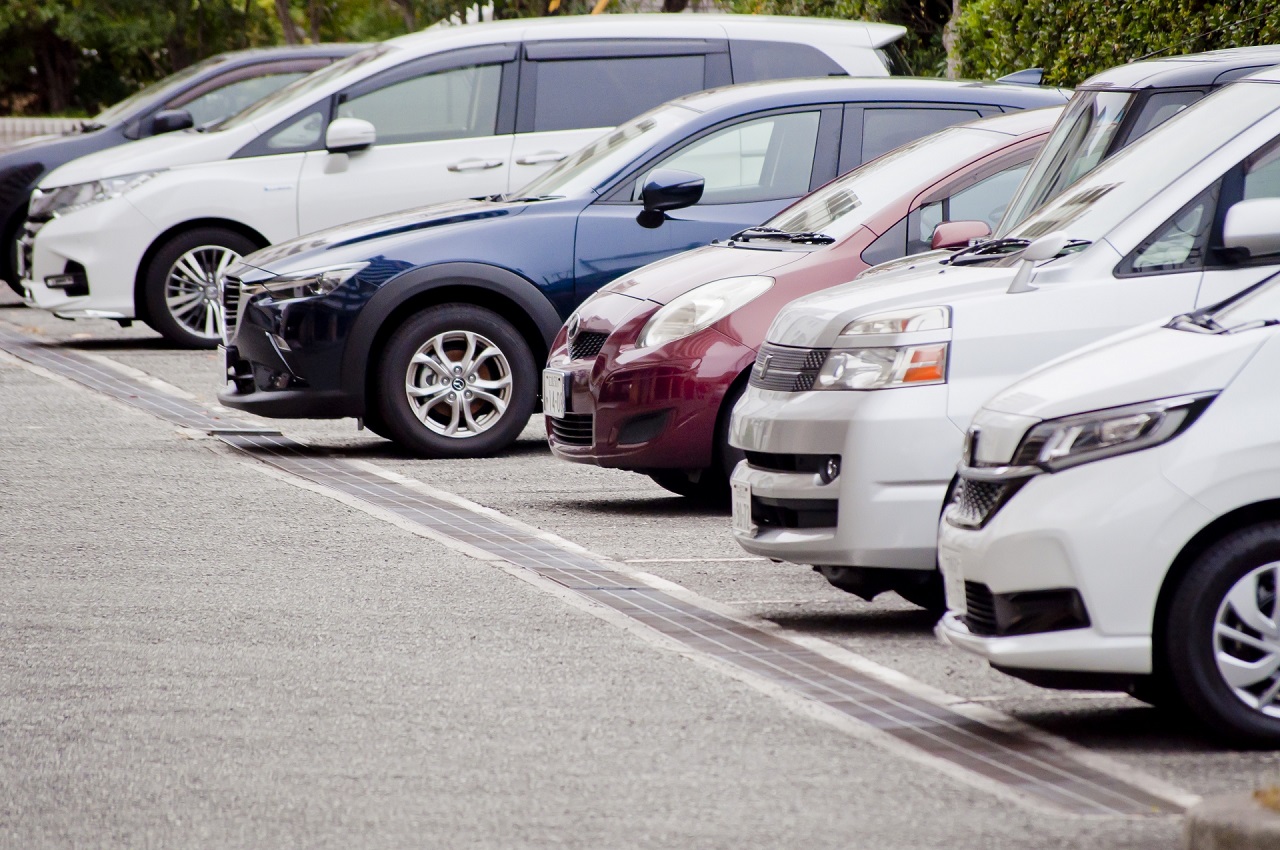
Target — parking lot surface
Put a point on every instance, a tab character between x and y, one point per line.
198	647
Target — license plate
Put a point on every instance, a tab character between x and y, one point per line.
554	392
742	509
952	581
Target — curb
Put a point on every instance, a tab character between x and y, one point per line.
1237	822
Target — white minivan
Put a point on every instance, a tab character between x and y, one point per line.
144	231
874	382
1117	521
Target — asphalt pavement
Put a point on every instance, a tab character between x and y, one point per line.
196	651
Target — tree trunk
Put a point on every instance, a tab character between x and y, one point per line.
674	5
406	12
314	13
291	33
56	65
949	42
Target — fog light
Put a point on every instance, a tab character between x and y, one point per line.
63	281
830	470
279	381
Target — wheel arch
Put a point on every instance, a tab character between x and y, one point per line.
140	274
513	297
1232	521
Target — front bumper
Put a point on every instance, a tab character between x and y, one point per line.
898	452
1108	530
105	243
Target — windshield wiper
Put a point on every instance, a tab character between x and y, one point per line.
992	249
529	200
806	236
1198	322
1252	325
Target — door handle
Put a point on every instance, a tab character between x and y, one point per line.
475	164
540	158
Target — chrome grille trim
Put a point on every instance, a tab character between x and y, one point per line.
230	311
787	369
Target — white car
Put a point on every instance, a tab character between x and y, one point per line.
1117	521
144	231
869	386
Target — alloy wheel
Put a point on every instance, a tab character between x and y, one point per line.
192	290
459	384
1246	639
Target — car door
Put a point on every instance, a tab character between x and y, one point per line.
1225	272
572	92
443	129
753	166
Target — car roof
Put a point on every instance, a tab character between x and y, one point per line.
1194	69
254	55
781	93
656	25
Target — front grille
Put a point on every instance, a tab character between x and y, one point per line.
230	307
586	345
980	609
792	370
974	503
771	462
574	429
794	513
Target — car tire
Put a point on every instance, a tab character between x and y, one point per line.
9	254
705	485
924	591
479	411
1230	590
727	456
180	287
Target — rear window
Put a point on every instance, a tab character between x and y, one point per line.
574	94
776	60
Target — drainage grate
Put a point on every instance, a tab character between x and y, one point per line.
1030	768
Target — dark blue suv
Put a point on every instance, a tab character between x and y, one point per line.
431	324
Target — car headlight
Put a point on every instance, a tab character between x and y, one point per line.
1057	444
902	321
700	308
50	203
879	368
305	283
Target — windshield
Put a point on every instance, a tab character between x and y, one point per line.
585	170
839	208
1077	144
1135	175
302	87
158	91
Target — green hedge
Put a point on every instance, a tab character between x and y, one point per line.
1073	39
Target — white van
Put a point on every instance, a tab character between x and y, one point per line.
144	231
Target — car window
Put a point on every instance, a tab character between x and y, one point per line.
766	159
1180	244
983	201
885	129
302	133
455	104
776	60
572	94
1159	108
162	89
229	99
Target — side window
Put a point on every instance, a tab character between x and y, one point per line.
1262	173
1159	108
983	201
573	94
889	246
227	101
885	129
767	159
1180	244
455	104
776	60
300	134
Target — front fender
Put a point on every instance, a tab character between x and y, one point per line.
539	315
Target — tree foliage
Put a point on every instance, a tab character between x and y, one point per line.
1072	39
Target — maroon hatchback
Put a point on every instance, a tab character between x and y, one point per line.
644	374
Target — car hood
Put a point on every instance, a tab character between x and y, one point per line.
815	321
672	277
1149	362
170	150
356	241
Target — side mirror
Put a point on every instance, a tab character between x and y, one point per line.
169	120
668	189
346	135
958	234
1044	248
1253	227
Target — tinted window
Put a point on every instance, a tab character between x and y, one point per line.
454	104
767	159
1159	108
228	100
983	201
300	134
577	93
773	60
885	129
